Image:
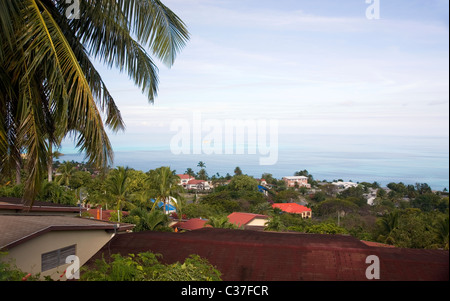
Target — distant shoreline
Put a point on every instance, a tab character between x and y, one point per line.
370	170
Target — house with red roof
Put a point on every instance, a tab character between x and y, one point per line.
249	221
305	212
198	185
184	179
191	224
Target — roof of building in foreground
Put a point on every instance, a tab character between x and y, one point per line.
271	256
18	205
16	229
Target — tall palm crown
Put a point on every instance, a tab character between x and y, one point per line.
163	182
49	87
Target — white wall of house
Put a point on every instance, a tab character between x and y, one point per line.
258	222
28	255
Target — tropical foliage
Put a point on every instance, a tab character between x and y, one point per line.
146	266
419	222
49	86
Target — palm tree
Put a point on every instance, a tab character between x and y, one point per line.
202	172
156	219
65	170
117	187
190	172
442	231
201	164
274	224
164	183
48	82
388	224
220	221
52	155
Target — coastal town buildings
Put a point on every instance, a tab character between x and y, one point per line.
303	211
297	181
184	180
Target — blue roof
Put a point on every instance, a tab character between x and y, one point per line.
167	207
261	188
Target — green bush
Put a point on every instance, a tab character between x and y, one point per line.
325	228
147	267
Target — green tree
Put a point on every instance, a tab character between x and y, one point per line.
275	224
202	175
442	232
388	223
65	170
325	228
190	172
243	183
146	266
117	187
48	82
423	188
413	231
237	171
426	201
220	221
288	196
54	193
164	185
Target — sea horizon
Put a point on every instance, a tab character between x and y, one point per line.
386	159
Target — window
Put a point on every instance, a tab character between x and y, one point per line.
56	258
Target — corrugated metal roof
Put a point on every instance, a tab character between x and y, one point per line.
272	256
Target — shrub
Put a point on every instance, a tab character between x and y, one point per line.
147	267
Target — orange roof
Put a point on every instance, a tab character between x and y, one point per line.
243	218
291	207
184	176
377	244
196	181
192	224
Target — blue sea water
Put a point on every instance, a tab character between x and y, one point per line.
357	158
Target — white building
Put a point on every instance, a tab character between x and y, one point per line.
297	181
345	185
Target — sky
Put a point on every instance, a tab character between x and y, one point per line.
315	67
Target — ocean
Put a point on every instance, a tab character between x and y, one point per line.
360	158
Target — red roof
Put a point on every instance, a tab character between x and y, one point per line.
184	176
291	207
377	244
192	224
196	181
243	218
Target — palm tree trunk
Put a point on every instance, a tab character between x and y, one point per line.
18	176
50	163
